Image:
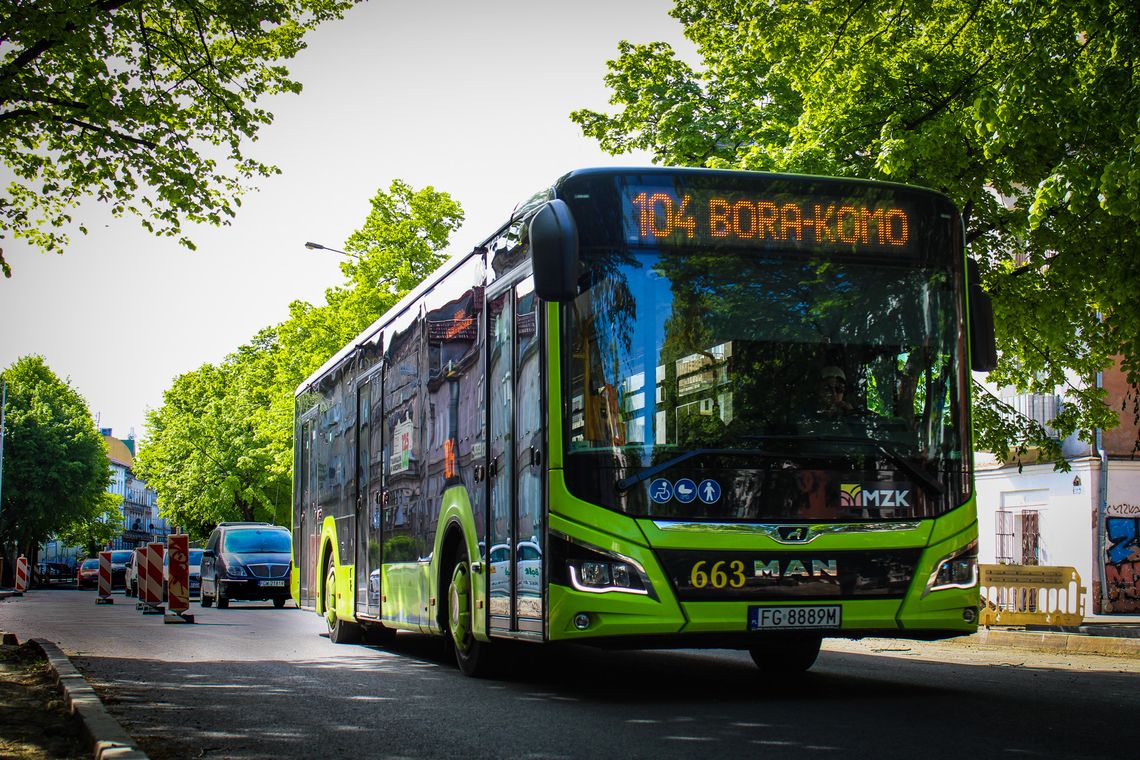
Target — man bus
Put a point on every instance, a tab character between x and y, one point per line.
603	425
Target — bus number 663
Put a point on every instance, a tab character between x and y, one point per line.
723	574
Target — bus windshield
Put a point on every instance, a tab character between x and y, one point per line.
735	384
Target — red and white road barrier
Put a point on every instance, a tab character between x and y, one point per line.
21	574
178	578
140	576
154	575
104	596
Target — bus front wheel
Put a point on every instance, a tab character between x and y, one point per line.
472	656
786	657
340	631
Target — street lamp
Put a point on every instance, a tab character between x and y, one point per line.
3	405
318	247
384	282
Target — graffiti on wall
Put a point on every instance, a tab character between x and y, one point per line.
1122	558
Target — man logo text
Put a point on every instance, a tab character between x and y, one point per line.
815	568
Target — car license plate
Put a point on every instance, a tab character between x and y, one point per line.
783	618
271	583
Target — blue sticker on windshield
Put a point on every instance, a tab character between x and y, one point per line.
685	490
709	491
661	490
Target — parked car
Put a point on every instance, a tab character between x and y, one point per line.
246	561
53	572
88	574
195	562
119	559
130	576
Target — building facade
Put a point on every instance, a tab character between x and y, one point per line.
1087	518
141	523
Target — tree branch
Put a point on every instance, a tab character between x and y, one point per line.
941	104
110	133
39	48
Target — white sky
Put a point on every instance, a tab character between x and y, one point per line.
470	97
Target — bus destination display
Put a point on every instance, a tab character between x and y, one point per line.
663	217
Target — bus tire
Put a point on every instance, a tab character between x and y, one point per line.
786	656
340	631
474	657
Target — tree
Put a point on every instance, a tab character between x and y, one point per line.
221	445
204	455
102	524
56	469
145	105
1027	115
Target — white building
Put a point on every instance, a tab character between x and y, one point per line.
1087	518
141	523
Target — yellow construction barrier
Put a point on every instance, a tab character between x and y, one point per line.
1031	595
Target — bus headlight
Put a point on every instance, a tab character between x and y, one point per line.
957	570
596	570
598	575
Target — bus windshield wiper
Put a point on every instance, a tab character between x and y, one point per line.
640	477
924	477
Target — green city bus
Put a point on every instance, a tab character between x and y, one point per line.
659	408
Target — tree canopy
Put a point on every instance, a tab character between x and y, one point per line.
146	105
56	469
221	445
1026	114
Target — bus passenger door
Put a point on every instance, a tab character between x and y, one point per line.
500	456
368	506
309	525
528	518
515	544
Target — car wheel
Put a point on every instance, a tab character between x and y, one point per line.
340	631
206	601
222	601
279	603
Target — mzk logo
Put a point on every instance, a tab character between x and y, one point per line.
874	496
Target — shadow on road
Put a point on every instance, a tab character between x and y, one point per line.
409	700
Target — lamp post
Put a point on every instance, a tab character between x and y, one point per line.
3	408
381	284
318	247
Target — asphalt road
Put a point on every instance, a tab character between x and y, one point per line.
255	682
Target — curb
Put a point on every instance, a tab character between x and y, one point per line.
108	739
1064	643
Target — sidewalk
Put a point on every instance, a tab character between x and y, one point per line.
1107	635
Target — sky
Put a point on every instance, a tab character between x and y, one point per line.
472	98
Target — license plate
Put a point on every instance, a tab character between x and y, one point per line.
271	583
805	616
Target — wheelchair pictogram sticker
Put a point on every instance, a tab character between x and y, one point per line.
661	490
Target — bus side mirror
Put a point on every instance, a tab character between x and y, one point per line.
983	345
554	252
